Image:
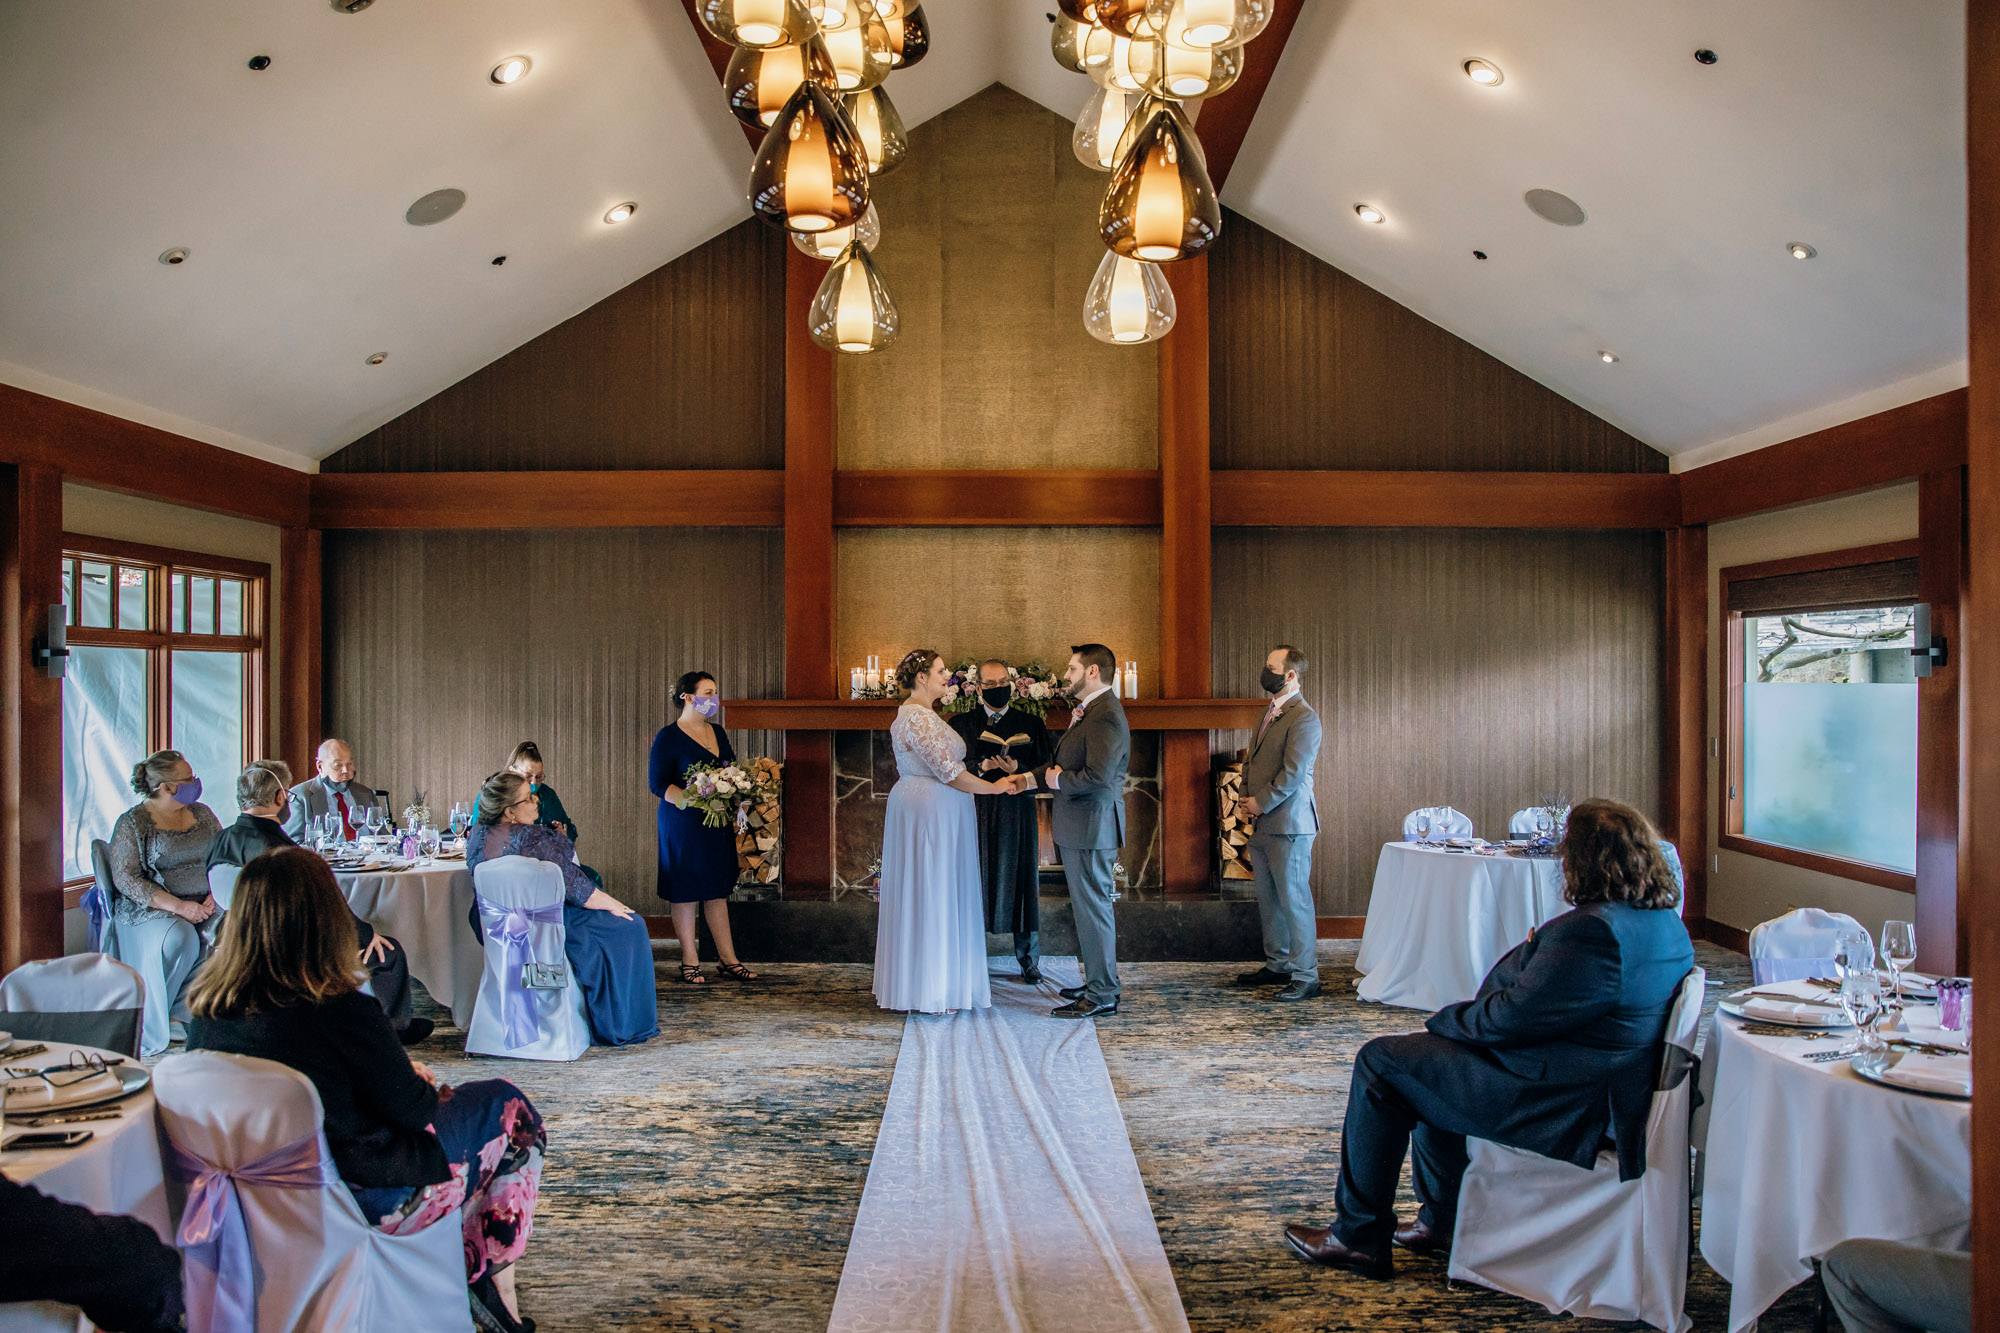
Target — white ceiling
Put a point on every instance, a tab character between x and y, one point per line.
130	128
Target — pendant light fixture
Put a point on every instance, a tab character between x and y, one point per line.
1066	37
759	83
1129	302
1125	18
1209	24
827	245
830	14
888	9
852	311
1160	205
860	52
1131	66
1100	125
1185	74
757	24
811	173
875	119
909	37
1084	12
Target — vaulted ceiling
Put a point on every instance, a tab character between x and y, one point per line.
126	130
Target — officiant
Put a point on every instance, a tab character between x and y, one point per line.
1001	739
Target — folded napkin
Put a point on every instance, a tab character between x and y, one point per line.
1784	1011
26	1095
1948	1074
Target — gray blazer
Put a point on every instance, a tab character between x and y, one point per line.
1278	771
313	798
1090	795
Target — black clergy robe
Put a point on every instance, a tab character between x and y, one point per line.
1009	868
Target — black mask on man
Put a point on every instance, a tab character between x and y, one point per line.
1271	681
997	696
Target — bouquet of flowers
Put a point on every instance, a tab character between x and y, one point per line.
1035	687
725	792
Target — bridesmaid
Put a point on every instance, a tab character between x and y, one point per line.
697	863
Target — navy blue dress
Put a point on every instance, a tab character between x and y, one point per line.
696	862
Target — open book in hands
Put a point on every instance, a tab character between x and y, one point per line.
1019	738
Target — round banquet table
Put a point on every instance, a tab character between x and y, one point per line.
424	909
1438	921
1801	1156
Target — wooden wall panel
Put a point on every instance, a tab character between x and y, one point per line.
680	369
445	648
1314	369
1478	669
31	798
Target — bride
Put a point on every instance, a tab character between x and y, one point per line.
930	940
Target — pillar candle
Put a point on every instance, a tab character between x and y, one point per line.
855	681
1131	680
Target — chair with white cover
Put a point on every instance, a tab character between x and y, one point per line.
1445	823
222	883
520	904
271	1238
1522	823
1583	1241
91	999
1798	944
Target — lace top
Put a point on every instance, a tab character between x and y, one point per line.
926	746
490	842
146	857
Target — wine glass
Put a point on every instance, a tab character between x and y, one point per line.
1423	822
427	842
1545	824
1899	950
1853	955
1861	1001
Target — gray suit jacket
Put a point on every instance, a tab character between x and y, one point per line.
313	798
1278	771
1090	795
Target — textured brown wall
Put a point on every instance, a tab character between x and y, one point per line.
1313	369
683	368
1479	669
989	241
445	648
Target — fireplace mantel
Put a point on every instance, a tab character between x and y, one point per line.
877	714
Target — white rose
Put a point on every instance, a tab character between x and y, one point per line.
1037	690
724	786
950	692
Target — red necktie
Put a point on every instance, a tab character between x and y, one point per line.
346	824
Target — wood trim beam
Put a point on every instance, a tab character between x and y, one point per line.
1445	499
1187	813
1225	119
876	715
1684	785
114	454
301	697
31	812
1880	553
1896	445
1944	911
704	498
1023	498
810	425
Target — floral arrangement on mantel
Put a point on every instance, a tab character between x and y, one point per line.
1035	687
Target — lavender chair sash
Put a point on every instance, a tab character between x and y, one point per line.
221	1282
508	927
95	909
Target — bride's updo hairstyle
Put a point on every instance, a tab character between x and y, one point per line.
914	665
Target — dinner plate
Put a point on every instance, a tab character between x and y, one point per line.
131	1078
1875	1071
1733	1006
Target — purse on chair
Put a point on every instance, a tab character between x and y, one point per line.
545	976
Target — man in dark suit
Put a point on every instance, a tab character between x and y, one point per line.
1087	776
332	790
1001	739
1556	1053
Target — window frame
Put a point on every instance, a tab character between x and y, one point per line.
160	643
1730	834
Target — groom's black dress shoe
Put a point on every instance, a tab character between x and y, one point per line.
1071	992
1298	990
1318	1245
1263	976
1084	1009
1032	975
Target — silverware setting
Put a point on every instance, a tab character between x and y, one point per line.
67	1117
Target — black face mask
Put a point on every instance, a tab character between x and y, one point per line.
1271	681
997	696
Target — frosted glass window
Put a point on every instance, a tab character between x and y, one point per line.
201	606
134	590
231	621
1830	734
208	716
94	590
104	735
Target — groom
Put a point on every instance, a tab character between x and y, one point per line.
1087	776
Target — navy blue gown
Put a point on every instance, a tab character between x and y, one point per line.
696	862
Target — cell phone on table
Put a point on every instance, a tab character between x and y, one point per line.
48	1138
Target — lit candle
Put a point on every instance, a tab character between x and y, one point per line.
873	680
1131	680
854	683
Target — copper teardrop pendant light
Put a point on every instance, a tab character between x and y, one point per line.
876	120
909	37
757	24
759	83
1160	205
1082	11
811	173
1127	18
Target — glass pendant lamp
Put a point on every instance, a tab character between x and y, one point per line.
1084	12
827	245
1101	125
1126	18
1160	205
860	52
1184	74
811	173
757	24
852	311
875	119
1132	64
909	37
1129	302
1208	24
759	83
888	9
1066	37
831	14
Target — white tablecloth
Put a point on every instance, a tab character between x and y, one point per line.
425	910
1438	921
118	1171
1802	1156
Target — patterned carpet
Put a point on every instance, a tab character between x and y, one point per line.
708	1180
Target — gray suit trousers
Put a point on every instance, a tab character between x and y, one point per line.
1088	870
1281	868
1878	1286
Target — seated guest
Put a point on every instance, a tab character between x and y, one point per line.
1881	1286
333	791
260	794
282	771
1556	1053
527	761
113	1268
609	952
283	987
159	866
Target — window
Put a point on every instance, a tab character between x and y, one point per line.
1821	767
166	651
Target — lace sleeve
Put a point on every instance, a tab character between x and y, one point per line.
128	860
931	739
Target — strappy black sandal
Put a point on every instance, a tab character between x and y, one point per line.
691	975
735	971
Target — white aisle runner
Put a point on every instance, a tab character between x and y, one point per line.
1003	1193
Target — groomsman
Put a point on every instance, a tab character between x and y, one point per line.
1278	794
1001	739
1088	779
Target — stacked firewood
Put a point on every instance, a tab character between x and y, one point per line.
1232	822
760	843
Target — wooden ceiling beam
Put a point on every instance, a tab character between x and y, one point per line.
1445	499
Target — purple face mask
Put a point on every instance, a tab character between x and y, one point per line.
708	705
187	793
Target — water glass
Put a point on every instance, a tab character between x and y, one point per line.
1899	950
427	840
1861	1001
1854	955
1545	825
1423	822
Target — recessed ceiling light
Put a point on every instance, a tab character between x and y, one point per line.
177	255
377	358
1706	57
1608	358
1800	250
1368	213
260	63
1484	73
511	70
621	213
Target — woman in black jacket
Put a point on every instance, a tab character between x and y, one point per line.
283	986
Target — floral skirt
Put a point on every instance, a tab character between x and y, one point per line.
494	1139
